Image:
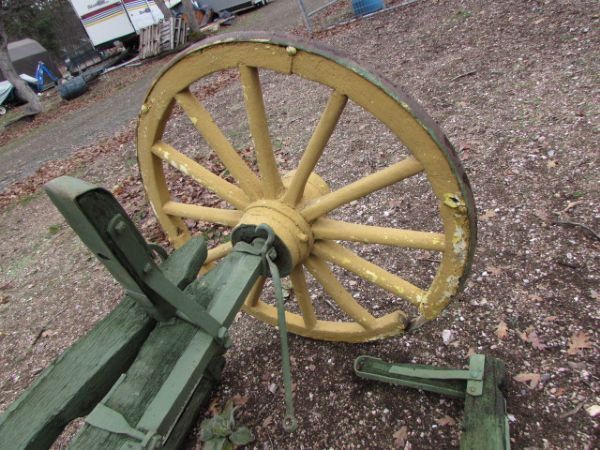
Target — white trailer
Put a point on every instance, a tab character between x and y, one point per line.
108	20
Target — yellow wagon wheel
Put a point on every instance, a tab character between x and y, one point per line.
296	204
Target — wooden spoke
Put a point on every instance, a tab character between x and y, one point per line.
345	258
254	294
206	178
316	145
205	124
218	252
318	268
257	120
295	204
333	230
229	217
371	183
303	297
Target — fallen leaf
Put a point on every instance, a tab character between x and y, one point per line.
559	392
489	214
502	330
535	341
471	352
446	420
3	299
551	164
214	407
532	378
579	341
529	335
551	318
594	294
240	400
494	270
400	437
268	421
534	298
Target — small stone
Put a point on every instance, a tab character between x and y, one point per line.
593	410
448	336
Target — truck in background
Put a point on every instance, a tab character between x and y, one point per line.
108	20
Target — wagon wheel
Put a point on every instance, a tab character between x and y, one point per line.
296	204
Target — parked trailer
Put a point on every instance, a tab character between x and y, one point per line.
108	20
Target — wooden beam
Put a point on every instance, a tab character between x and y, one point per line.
72	385
485	421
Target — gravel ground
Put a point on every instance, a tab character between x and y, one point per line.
514	85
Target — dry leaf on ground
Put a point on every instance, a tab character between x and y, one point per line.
214	407
579	341
446	420
240	400
529	335
489	214
502	330
400	437
531	379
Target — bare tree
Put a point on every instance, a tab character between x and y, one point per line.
191	16
164	9
24	92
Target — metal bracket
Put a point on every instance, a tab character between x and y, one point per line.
452	382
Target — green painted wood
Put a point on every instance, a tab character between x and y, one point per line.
162	381
72	385
426	377
155	362
199	400
485	422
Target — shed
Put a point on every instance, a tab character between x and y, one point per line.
25	55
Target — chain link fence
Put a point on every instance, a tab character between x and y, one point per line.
322	14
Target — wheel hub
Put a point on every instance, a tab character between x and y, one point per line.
293	235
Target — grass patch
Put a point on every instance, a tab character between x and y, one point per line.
53	229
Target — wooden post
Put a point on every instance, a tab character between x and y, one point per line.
485	421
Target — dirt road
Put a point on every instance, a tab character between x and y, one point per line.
80	128
84	127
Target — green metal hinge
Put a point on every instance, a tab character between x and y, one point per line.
451	382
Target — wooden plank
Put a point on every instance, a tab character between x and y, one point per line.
72	385
485	421
198	401
158	357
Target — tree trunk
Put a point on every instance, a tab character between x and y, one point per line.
24	92
164	9
191	16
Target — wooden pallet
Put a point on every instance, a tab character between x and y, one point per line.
168	34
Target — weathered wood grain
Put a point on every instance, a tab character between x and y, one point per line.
485	425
